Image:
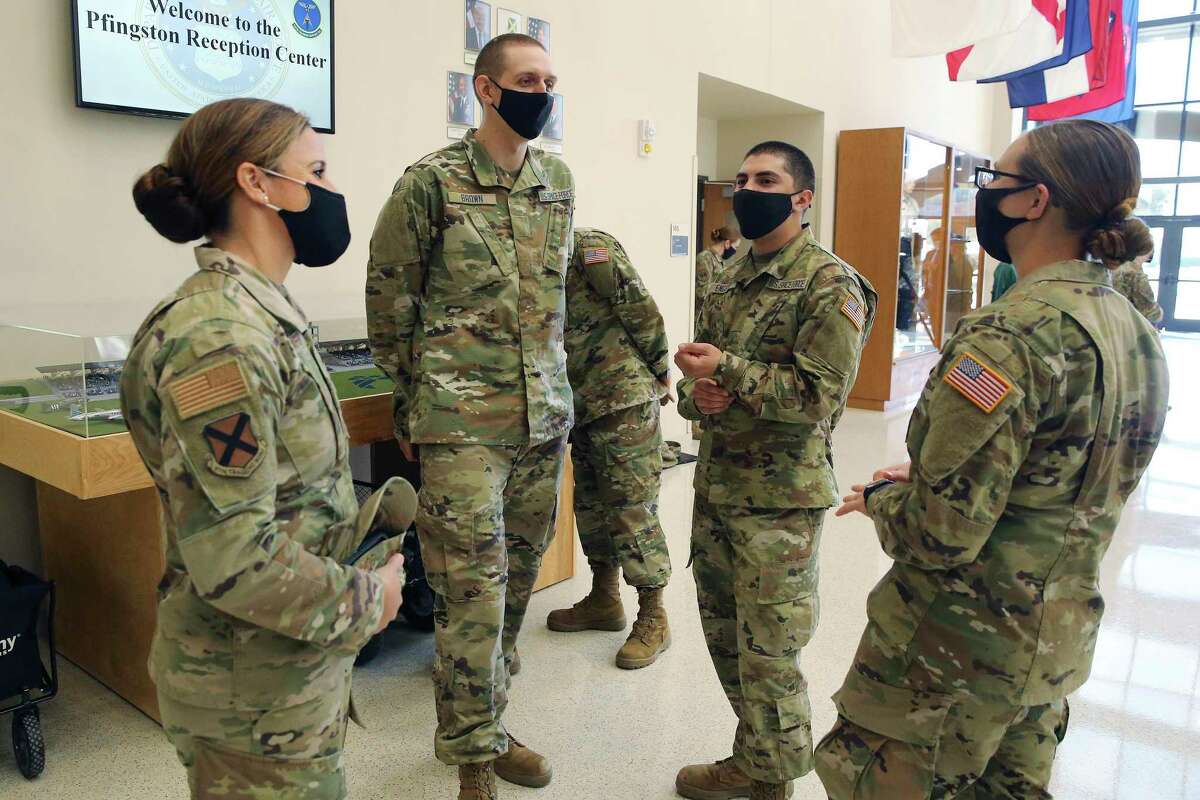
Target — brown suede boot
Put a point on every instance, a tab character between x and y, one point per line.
522	766
720	781
477	781
601	610
770	791
651	634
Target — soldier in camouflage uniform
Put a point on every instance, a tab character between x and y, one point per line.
237	421
1029	437
779	347
619	367
712	260
465	309
1131	281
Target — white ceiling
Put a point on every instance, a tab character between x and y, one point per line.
724	100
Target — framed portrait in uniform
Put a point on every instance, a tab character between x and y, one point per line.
554	126
540	30
478	24
460	99
509	21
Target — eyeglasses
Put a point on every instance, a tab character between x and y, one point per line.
984	177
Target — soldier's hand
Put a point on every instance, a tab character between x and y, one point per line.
392	575
407	449
709	397
899	473
698	360
853	502
667	396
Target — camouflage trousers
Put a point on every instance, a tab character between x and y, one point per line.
618	471
984	751
290	753
756	581
486	516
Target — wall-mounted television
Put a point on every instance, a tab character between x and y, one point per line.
167	58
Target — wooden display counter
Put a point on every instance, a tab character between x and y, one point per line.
98	517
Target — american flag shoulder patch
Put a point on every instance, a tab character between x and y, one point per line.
979	383
214	387
854	311
595	255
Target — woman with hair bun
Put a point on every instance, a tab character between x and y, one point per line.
236	420
723	243
1030	436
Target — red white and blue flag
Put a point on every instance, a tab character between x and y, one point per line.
595	255
1081	74
978	382
1040	38
935	27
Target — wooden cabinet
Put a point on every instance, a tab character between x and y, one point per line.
906	220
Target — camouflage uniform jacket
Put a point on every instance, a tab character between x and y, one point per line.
616	340
466	300
997	541
1133	283
792	333
709	267
237	422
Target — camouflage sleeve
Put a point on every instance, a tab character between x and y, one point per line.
965	464
826	354
640	317
222	500
399	254
687	400
1144	300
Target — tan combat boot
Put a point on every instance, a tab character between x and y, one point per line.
770	791
651	634
601	610
477	782
720	781
522	766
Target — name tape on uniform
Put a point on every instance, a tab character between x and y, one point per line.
471	199
554	197
214	387
978	382
721	288
787	286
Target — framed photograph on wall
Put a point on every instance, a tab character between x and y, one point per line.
554	126
478	24
540	30
460	99
509	21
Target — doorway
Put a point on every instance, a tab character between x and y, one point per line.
1175	271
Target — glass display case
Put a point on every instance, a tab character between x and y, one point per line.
895	185
72	383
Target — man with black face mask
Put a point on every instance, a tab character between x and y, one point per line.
778	347
465	309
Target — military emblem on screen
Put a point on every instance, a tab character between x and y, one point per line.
199	75
308	19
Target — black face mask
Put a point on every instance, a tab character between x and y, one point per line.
320	233
525	112
759	213
992	225
728	253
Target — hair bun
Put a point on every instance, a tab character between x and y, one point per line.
166	202
1120	238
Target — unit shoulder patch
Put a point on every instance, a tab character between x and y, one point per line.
233	444
979	383
214	387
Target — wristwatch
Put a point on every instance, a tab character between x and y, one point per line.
875	486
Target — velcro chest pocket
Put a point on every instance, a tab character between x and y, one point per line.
472	255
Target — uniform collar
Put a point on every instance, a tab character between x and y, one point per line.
1070	271
487	175
748	269
270	295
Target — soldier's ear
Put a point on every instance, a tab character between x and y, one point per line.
487	92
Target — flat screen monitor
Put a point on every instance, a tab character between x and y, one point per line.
167	58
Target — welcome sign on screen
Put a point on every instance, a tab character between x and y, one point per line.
171	57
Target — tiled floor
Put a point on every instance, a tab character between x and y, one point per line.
1135	732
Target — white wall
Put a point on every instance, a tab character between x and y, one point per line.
76	254
706	149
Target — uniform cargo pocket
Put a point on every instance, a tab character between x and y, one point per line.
790	570
222	772
472	255
463	552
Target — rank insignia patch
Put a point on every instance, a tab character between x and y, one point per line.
978	382
232	441
854	311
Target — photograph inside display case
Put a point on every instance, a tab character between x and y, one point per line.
83	397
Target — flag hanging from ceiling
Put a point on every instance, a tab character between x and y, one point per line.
935	27
1077	41
1112	102
1081	74
1039	38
